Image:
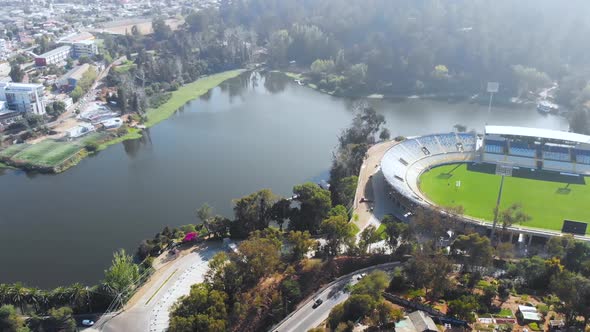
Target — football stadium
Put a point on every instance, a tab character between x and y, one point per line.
544	171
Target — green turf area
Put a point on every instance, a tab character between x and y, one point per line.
186	93
12	150
548	198
47	153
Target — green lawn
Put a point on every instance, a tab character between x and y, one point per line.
547	202
12	150
186	93
47	153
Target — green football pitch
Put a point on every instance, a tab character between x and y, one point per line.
547	197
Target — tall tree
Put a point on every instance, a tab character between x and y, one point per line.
338	231
252	212
314	205
16	73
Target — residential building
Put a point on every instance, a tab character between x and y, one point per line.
53	57
4	49
85	48
23	98
417	321
70	79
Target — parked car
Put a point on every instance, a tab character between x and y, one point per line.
317	303
87	322
361	276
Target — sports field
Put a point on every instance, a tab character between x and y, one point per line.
548	198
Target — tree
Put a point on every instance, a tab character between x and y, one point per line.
385	135
320	66
278	47
368	236
314	205
302	243
281	211
77	93
259	255
252	212
205	213
84	59
122	276
121	99
574	292
344	191
373	285
58	320
460	128
386	313
10	321
463	308
430	271
16	73
512	215
338	231
478	250
529	79
204	309
558	246
17	295
161	30
198	21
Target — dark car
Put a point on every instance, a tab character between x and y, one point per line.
317	303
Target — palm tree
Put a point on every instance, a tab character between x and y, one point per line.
58	297
77	295
18	295
4	294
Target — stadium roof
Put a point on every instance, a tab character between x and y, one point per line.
538	133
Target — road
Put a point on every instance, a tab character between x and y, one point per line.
148	309
371	186
306	317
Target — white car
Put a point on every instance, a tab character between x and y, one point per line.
87	322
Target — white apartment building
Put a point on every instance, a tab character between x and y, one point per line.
24	98
85	48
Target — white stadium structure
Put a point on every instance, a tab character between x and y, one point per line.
513	147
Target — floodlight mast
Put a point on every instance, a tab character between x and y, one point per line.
493	87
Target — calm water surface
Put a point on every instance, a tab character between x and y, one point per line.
250	133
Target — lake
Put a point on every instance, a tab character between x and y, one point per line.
251	132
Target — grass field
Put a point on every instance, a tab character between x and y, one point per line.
186	93
47	153
548	198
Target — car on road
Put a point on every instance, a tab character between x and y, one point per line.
87	322
361	276
317	303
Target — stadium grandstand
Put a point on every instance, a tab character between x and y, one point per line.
541	149
532	150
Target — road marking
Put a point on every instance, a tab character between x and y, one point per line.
162	285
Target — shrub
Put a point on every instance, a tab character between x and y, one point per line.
535	327
91	146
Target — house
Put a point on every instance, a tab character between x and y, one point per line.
417	321
528	314
70	79
79	130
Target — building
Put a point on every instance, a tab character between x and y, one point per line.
528	314
69	80
80	130
24	98
4	49
54	56
417	321
84	48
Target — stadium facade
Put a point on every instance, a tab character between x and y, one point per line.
507	146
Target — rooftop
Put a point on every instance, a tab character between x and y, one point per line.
55	51
537	133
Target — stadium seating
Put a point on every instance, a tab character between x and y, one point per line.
491	148
431	143
556	153
582	156
449	142
468	141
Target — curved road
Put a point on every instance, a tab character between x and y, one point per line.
306	317
148	309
